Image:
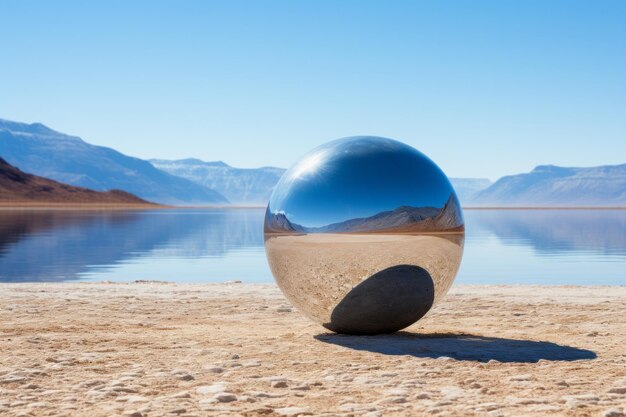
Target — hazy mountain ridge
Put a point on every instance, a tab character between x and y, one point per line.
549	185
238	185
404	218
39	150
466	188
19	187
255	185
398	217
401	219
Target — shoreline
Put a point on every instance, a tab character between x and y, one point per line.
155	206
548	208
79	206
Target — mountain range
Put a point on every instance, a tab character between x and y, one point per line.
251	186
39	150
546	185
404	219
466	188
255	185
549	185
18	186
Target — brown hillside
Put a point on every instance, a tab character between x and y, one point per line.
17	186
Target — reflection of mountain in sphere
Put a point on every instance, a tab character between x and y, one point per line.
364	235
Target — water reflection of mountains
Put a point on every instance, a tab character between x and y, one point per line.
555	231
404	219
60	245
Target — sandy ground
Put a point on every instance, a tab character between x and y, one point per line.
237	349
317	271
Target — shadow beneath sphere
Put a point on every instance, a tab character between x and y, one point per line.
462	347
386	302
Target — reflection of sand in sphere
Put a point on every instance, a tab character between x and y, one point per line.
317	271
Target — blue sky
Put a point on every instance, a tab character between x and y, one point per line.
485	88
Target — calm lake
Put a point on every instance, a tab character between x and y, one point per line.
553	247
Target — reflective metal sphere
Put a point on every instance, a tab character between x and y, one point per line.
364	235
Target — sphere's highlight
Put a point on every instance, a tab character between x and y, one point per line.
364	235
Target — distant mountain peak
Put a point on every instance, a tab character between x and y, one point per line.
196	161
542	168
239	185
553	170
26	127
37	149
38	130
551	185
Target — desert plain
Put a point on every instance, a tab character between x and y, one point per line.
160	349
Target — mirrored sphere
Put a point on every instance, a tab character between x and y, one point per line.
364	235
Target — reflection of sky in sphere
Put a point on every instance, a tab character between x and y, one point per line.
358	177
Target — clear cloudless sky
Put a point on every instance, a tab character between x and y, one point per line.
485	88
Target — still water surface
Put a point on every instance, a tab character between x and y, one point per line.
553	247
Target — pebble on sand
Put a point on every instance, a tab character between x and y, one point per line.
225	397
211	389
